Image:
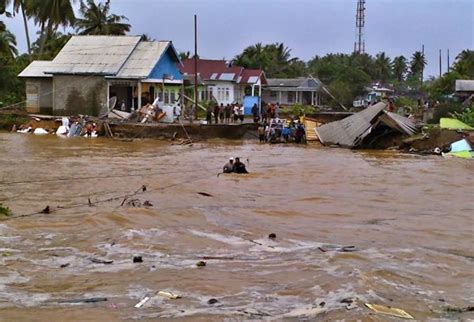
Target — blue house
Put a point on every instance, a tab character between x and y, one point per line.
89	70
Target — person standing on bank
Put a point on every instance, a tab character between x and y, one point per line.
216	113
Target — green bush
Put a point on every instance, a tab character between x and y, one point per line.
467	116
297	110
445	110
407	103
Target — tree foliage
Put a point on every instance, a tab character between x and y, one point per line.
96	20
275	59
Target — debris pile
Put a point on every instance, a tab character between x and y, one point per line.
364	128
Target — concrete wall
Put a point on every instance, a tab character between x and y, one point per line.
78	94
39	97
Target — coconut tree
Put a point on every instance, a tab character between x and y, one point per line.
50	14
382	67
19	6
7	42
417	64
399	68
96	20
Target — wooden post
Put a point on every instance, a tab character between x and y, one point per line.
139	95
196	98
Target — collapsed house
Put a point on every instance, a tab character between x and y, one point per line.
367	127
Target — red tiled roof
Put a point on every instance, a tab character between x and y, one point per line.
219	70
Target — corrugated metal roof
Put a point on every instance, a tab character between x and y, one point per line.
464	85
94	54
38	68
143	59
301	83
350	131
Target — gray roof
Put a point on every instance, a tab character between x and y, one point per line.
143	59
350	131
38	68
300	83
464	85
103	55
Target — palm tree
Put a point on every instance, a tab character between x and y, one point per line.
464	63
417	64
382	67
399	67
50	14
7	42
96	20
19	5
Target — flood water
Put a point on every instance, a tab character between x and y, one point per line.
409	217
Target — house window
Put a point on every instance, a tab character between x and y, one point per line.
273	94
167	96
160	96
172	97
152	93
227	94
291	97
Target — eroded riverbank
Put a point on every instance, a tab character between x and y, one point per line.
409	216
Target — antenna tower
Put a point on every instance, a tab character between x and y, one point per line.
359	45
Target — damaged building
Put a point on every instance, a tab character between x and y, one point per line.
374	127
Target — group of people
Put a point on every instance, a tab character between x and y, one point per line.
278	131
268	112
234	166
225	114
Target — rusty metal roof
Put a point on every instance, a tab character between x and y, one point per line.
103	55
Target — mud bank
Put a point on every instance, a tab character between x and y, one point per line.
195	131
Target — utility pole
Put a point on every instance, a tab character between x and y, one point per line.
449	67
195	67
440	66
359	45
421	76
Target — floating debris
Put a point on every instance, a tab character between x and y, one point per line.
169	295
212	301
101	261
137	259
205	194
142	302
201	264
388	310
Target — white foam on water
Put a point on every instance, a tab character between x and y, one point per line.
144	233
230	240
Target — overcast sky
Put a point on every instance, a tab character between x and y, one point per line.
307	27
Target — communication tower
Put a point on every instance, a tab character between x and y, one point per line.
359	45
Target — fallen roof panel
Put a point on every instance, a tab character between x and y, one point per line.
350	131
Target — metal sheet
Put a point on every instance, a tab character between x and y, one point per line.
143	59
38	68
94	54
350	131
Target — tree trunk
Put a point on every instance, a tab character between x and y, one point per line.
43	40
25	22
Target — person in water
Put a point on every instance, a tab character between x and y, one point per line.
239	167
229	166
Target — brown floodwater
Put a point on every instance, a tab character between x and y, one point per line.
410	218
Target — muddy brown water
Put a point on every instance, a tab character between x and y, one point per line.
410	217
